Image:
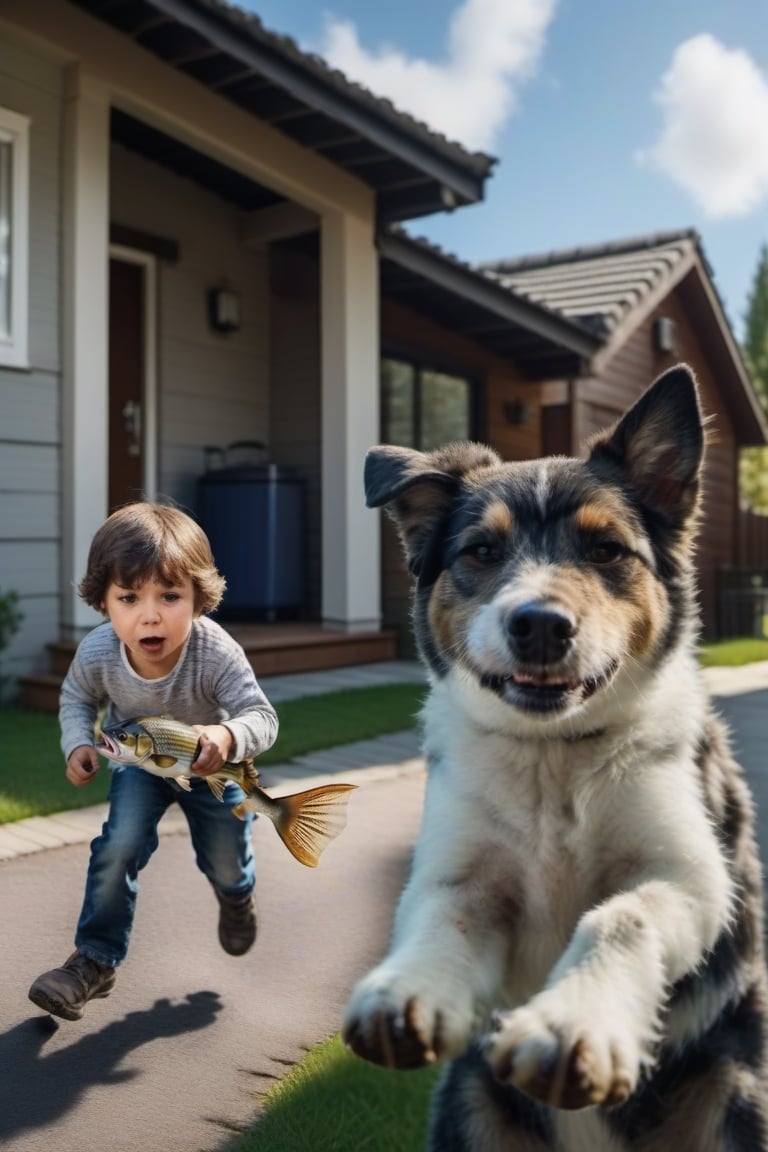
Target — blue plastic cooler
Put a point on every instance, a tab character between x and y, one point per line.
253	516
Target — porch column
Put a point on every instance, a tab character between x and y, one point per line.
85	287
351	567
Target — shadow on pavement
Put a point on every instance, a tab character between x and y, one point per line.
36	1089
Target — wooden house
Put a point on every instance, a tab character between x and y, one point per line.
639	306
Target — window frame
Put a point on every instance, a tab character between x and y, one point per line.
14	348
421	363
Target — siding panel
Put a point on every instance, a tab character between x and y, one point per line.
30	400
29	408
29	468
30	516
32	570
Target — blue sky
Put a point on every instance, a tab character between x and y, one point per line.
609	118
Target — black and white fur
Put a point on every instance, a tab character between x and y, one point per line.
581	934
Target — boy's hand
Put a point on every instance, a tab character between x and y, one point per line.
216	742
82	765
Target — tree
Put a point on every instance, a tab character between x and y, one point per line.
753	465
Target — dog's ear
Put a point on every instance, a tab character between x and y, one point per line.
418	490
659	445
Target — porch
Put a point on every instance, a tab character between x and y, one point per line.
273	650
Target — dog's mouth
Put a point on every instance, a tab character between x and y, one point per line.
542	691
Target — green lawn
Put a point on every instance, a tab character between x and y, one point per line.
32	780
333	1102
746	650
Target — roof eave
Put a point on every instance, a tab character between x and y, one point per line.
750	421
466	283
462	182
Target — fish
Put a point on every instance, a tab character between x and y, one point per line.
306	822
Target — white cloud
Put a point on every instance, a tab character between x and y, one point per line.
714	142
493	48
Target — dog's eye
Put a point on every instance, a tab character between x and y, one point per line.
482	552
605	552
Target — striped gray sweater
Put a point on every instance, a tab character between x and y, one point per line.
212	683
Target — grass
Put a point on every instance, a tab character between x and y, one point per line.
333	1102
733	653
32	780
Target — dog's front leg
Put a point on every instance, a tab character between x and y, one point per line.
585	1039
430	995
436	987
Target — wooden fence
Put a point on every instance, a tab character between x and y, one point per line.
742	594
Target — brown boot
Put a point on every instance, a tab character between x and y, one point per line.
237	923
65	991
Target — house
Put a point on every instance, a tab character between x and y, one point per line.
205	249
645	303
162	159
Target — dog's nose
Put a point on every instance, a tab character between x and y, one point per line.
539	634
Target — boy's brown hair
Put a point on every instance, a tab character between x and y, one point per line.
146	541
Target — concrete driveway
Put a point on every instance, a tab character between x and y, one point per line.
190	1036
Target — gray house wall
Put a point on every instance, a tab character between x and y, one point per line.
30	433
212	389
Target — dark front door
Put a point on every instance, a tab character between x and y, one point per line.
126	381
556	433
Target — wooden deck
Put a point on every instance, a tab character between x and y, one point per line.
273	650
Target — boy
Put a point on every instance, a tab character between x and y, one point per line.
151	573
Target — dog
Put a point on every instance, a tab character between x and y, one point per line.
581	936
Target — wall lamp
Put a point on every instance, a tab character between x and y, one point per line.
517	413
224	309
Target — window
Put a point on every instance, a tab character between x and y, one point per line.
14	254
423	408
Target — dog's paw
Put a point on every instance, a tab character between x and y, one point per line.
562	1059
401	1022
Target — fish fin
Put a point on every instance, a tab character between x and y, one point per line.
308	821
164	761
241	811
183	782
216	784
250	776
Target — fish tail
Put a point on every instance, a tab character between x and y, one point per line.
308	821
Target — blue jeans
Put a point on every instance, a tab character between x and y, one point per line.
137	800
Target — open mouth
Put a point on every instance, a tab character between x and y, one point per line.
151	643
543	692
107	746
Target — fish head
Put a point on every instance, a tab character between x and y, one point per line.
127	743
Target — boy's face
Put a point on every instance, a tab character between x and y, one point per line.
153	621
